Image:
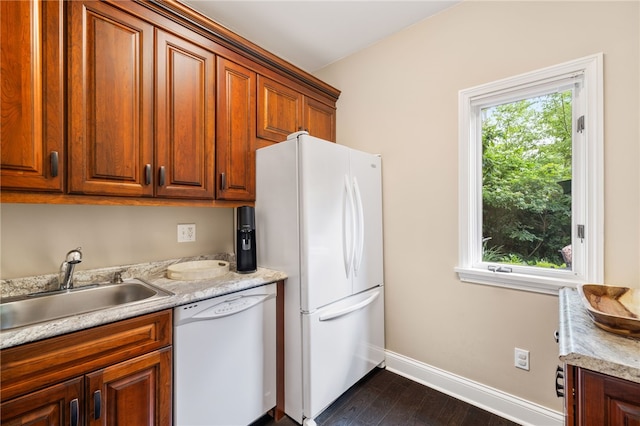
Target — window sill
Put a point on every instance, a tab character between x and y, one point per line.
523	282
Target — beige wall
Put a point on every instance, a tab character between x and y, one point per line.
35	238
399	98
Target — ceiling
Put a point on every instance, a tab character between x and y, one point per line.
313	34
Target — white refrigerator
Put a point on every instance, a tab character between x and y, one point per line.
319	219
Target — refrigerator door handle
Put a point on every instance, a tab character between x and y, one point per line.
348	241
344	311
359	247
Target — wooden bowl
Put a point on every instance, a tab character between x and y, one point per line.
197	270
614	309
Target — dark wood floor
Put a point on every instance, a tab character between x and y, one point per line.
384	398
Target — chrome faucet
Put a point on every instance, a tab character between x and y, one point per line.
66	269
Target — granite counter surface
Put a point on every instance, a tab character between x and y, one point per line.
585	345
154	273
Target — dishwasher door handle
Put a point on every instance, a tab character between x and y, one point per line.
230	306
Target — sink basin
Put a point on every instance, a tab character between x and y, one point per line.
36	308
614	309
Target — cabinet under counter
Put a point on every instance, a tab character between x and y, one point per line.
602	369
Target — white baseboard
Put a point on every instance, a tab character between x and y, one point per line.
487	398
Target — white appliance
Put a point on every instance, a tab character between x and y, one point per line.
319	219
225	359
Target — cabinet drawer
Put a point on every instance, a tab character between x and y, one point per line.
36	365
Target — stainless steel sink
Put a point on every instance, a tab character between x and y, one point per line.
40	307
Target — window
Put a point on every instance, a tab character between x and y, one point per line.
531	179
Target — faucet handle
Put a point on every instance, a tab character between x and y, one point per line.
117	278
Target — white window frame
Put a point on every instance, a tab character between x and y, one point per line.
587	181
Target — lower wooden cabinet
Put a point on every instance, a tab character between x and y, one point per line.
131	393
56	405
116	374
597	399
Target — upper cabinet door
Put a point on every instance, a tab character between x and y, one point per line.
319	119
185	139
282	111
110	101
32	81
236	141
279	110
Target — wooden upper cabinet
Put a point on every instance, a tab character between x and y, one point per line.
115	148
279	110
110	101
283	110
236	141
141	102
32	80
185	139
319	119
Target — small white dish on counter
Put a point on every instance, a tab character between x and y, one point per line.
197	270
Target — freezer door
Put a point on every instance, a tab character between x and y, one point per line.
326	220
366	180
342	342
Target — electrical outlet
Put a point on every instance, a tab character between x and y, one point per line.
186	232
521	358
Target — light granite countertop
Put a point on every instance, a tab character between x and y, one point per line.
585	345
154	273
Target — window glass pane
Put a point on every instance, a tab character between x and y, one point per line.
526	181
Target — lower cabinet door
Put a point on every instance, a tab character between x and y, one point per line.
133	393
606	400
59	404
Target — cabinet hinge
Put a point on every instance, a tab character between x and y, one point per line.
580	124
580	231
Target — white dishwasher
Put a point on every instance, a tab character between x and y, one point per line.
225	359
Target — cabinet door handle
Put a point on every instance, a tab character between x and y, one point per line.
97	404
559	382
147	174
74	413
223	181
162	176
54	163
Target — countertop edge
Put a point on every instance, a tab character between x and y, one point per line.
184	292
584	345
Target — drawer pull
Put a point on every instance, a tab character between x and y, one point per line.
74	413
560	382
162	176
147	174
54	163
97	404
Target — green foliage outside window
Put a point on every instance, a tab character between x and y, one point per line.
526	215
